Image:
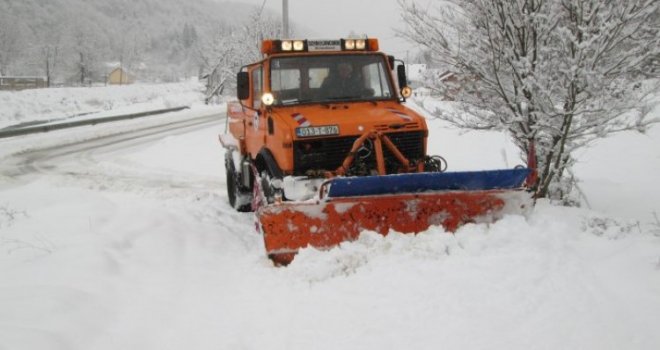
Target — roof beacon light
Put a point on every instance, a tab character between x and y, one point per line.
273	46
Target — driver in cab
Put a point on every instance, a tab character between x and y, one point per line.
342	83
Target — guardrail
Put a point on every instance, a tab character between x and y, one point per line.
11	132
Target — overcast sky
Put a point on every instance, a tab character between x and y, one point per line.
327	19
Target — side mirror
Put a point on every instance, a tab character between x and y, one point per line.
401	74
243	85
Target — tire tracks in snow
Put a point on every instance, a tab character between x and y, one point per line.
57	160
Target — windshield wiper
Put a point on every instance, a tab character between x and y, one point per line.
294	101
345	98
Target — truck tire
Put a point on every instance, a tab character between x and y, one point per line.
239	197
269	171
270	192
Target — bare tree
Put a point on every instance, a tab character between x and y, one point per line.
50	49
10	42
229	48
557	74
129	48
86	47
220	54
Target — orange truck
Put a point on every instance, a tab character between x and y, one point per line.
321	146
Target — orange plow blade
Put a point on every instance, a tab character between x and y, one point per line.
290	226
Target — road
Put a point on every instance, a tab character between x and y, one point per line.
48	160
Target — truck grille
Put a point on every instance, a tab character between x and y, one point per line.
329	153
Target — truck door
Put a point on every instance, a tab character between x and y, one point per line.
256	130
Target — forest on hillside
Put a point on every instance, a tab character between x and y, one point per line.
77	42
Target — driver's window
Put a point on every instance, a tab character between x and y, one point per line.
375	79
317	76
285	79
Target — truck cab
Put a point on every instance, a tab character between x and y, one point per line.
311	110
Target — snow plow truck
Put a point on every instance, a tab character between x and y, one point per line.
321	146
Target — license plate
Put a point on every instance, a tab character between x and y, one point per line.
312	131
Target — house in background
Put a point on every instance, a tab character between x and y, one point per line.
451	84
119	76
441	83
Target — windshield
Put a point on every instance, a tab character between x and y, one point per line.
307	79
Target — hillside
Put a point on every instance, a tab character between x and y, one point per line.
157	36
154	16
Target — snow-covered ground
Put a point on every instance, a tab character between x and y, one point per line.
66	103
131	244
617	175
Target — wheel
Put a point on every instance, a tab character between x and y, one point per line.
240	198
271	187
281	259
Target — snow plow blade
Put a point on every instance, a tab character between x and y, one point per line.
406	203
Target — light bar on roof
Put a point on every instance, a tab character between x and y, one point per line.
290	45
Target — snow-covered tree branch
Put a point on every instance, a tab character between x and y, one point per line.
557	74
231	47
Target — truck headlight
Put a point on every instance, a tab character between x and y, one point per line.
360	44
349	44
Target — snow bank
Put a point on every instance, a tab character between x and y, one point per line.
57	103
108	255
132	245
561	278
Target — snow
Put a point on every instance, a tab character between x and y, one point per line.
68	103
131	245
617	174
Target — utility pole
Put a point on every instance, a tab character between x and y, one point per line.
285	18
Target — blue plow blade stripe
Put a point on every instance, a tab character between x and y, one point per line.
424	182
